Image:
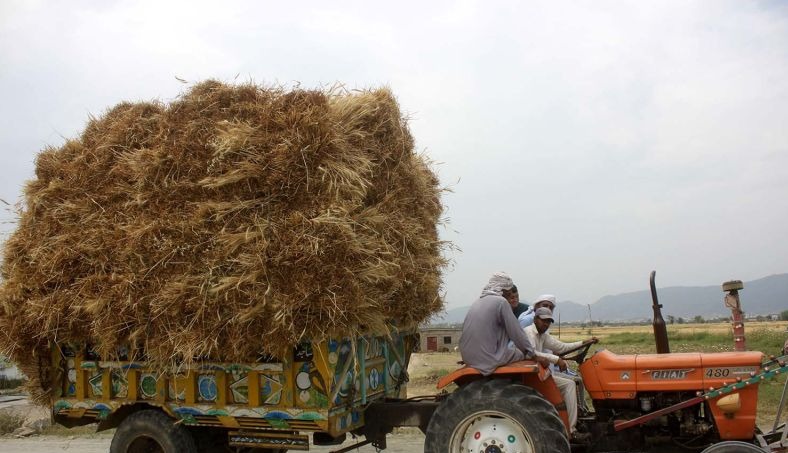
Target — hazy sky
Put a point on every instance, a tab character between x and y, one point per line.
587	143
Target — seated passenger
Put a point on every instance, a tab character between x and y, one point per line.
489	326
526	318
518	307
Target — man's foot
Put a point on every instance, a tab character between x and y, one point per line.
580	438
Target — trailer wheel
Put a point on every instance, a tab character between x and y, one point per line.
496	416
151	431
733	446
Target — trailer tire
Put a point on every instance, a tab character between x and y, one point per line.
495	415
733	446
151	431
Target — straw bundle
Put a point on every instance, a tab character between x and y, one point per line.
235	221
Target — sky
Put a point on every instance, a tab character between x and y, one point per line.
585	143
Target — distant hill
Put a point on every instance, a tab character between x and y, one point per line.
764	296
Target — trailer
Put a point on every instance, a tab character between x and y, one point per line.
329	389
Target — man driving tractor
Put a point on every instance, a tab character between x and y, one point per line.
547	347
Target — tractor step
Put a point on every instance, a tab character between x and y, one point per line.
262	439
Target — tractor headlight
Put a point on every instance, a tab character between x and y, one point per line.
729	404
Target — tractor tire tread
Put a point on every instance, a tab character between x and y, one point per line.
732	446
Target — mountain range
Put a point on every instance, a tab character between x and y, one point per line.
765	296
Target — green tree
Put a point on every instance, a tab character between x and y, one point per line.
698	319
784	315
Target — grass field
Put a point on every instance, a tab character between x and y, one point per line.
767	337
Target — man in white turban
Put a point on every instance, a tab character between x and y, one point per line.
489	326
527	317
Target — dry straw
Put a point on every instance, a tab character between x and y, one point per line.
234	222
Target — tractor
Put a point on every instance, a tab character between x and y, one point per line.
642	402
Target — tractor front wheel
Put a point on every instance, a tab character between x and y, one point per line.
733	446
496	416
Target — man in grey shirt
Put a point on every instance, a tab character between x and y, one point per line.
489	326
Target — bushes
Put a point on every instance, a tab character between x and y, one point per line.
9	422
6	384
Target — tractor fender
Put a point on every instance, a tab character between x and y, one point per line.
526	372
466	374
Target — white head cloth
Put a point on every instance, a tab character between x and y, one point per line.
498	282
545	298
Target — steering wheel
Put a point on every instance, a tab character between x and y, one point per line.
580	356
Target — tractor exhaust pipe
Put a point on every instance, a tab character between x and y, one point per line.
660	330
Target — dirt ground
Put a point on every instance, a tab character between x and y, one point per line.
19	405
425	369
397	443
404	442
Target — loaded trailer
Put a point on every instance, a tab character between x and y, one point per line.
329	389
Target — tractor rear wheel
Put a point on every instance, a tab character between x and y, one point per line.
733	446
496	416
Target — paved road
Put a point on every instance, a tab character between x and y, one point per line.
12	400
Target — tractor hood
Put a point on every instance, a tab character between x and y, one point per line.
612	376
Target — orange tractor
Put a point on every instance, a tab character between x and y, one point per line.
642	402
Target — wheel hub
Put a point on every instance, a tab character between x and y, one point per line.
492	433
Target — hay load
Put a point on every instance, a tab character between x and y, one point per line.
233	222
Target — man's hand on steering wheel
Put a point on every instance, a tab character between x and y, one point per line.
582	350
